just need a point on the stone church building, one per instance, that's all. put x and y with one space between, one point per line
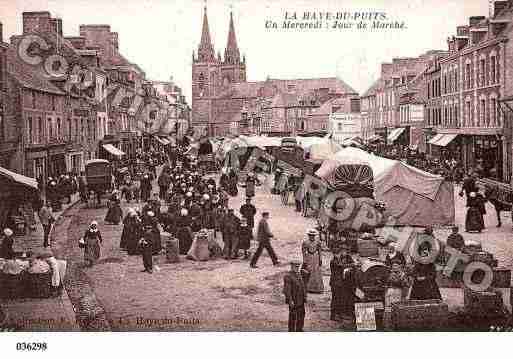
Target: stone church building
224 102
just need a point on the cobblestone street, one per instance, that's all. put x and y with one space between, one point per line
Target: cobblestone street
229 296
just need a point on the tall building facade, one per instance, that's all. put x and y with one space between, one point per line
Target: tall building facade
469 124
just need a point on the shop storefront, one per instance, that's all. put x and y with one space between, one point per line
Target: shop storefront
482 152
35 164
57 164
75 161
447 147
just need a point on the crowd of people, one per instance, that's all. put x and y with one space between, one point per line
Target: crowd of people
190 207
191 210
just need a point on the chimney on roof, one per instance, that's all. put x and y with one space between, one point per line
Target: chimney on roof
498 6
474 20
56 25
1 33
78 42
115 40
36 21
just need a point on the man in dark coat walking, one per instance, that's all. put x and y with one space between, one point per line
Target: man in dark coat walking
294 288
264 236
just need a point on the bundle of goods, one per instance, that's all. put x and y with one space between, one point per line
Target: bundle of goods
418 315
172 248
372 279
356 180
367 245
41 277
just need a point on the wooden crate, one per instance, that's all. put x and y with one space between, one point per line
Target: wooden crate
482 304
418 315
501 278
368 247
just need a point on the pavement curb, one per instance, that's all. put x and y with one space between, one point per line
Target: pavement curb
89 313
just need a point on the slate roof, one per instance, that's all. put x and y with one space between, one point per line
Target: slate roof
300 87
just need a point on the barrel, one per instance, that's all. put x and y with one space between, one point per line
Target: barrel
172 248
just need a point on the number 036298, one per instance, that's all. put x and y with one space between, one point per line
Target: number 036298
32 347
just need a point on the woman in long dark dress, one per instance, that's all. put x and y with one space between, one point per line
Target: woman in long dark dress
424 277
114 214
92 241
474 221
250 185
342 283
183 231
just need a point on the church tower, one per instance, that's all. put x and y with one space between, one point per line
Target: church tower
233 69
212 79
205 77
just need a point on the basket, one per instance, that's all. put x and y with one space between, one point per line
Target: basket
39 285
418 315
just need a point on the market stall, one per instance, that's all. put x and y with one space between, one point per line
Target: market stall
19 198
413 197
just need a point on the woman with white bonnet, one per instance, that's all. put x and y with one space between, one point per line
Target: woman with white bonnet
91 243
183 231
128 228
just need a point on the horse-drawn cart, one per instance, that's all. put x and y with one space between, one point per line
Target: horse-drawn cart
99 177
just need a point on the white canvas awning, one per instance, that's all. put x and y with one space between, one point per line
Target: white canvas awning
113 150
395 133
435 139
446 139
19 178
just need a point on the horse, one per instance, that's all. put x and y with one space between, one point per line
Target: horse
491 196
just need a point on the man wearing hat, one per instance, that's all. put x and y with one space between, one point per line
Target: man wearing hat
7 251
248 211
294 289
264 236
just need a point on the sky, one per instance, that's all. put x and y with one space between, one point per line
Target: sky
160 35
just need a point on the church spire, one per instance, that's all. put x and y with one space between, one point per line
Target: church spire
205 49
231 53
